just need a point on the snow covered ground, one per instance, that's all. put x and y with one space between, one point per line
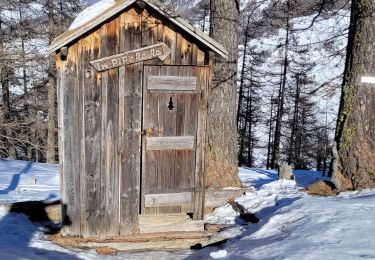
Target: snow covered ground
293 225
25 181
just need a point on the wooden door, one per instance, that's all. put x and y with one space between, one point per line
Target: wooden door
174 122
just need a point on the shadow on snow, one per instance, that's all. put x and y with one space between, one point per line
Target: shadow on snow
18 233
264 215
16 179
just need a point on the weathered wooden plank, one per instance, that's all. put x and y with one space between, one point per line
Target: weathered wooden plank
169 223
186 126
150 120
170 143
167 127
109 161
124 219
200 58
169 199
184 51
80 87
152 28
159 244
169 37
61 85
92 141
182 155
213 198
151 34
81 130
173 83
198 205
71 168
131 88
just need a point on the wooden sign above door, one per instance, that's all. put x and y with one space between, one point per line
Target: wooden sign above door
160 50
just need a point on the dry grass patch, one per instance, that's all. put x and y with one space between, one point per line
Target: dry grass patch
322 188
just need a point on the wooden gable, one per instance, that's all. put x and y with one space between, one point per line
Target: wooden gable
122 5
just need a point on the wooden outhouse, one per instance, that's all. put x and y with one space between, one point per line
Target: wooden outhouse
132 103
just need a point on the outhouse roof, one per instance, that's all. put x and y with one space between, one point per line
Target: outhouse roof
71 35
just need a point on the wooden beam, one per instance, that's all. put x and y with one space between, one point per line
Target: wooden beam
213 198
169 223
158 244
64 53
173 83
169 199
170 143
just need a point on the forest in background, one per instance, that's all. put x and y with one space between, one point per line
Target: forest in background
290 69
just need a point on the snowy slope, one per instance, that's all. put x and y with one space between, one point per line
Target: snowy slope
293 225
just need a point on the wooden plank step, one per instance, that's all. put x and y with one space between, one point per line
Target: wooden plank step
155 245
169 223
144 242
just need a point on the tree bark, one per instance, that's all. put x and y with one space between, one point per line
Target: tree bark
222 170
354 158
275 158
51 139
270 137
294 125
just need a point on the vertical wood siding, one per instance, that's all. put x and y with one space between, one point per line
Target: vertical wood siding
131 157
100 121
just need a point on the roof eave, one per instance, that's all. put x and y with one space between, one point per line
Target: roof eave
178 21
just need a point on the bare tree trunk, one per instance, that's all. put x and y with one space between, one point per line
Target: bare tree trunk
51 139
325 142
242 76
294 126
27 145
280 105
300 138
249 118
354 159
270 137
242 130
222 135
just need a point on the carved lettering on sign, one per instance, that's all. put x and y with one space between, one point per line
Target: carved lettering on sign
160 50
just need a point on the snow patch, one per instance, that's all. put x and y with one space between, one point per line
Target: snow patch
277 225
219 254
91 12
26 181
224 215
